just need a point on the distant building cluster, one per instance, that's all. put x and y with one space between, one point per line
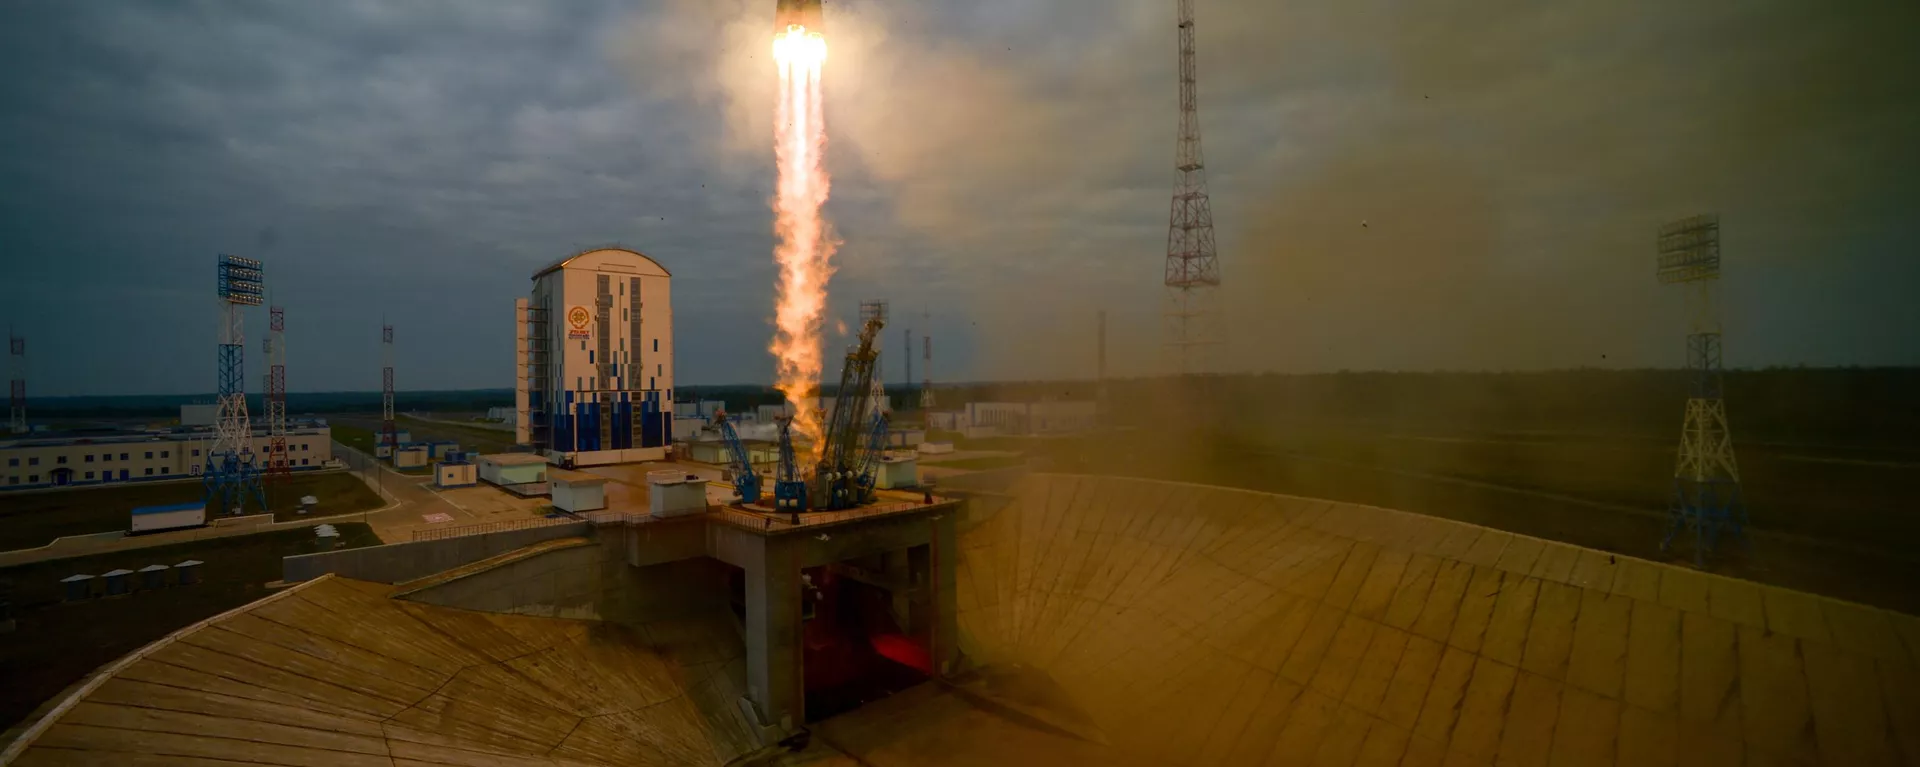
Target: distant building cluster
107 456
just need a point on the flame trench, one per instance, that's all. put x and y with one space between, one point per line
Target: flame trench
803 247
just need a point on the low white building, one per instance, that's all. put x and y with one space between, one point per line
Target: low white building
1025 418
85 458
577 491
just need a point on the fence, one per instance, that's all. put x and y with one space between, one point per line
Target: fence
442 533
758 522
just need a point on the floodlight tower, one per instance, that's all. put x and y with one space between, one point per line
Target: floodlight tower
231 471
1706 479
1192 271
389 436
17 395
279 469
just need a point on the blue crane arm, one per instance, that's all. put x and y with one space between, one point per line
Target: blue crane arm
744 479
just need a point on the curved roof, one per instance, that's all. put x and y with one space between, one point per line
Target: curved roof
598 250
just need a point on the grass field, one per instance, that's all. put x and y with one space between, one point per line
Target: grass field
28 520
56 644
355 437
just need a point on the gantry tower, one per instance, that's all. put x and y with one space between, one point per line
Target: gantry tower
1192 271
1706 479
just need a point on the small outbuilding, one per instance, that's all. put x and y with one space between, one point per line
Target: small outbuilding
154 577
577 491
410 457
153 519
675 493
511 468
79 587
189 571
897 472
119 582
448 474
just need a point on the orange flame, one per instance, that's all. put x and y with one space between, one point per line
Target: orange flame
804 247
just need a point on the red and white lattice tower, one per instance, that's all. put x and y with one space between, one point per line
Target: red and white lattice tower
279 467
1192 273
388 434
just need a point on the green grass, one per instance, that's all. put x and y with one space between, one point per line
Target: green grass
353 437
56 644
29 520
982 463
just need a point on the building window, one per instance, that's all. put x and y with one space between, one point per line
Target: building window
589 357
303 461
196 452
60 459
13 462
33 478
583 346
149 455
659 370
163 470
34 461
649 383
166 453
123 456
89 475
89 458
149 471
13 480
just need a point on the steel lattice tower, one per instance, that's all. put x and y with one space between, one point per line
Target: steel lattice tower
279 467
17 386
1706 479
876 310
926 372
389 436
231 471
1192 270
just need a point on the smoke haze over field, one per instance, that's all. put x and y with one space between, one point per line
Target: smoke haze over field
1002 165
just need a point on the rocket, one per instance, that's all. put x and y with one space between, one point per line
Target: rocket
804 13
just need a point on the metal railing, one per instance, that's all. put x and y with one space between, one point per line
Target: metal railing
442 533
746 520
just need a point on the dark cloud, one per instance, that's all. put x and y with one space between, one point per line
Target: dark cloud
1000 165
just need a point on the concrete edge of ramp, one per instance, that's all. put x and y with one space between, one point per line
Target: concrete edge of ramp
73 695
402 590
1203 624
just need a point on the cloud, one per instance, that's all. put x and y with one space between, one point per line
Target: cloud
1000 165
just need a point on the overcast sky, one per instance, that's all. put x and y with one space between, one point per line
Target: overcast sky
1001 165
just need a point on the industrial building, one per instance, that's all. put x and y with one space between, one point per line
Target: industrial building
56 459
594 360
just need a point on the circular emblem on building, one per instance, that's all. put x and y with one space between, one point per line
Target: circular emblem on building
577 320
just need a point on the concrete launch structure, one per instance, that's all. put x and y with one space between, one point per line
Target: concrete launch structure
596 359
1073 619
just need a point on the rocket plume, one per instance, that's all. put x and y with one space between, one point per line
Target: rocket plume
804 247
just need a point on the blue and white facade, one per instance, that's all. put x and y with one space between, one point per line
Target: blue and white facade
596 359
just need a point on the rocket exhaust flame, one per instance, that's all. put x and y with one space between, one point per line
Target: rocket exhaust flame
803 247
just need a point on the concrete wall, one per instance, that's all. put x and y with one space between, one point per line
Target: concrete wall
588 583
400 562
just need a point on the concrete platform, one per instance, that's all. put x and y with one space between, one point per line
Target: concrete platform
1109 621
332 672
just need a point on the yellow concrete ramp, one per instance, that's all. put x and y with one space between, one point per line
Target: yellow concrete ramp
1201 625
332 672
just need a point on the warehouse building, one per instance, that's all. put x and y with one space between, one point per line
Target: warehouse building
595 360
96 457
